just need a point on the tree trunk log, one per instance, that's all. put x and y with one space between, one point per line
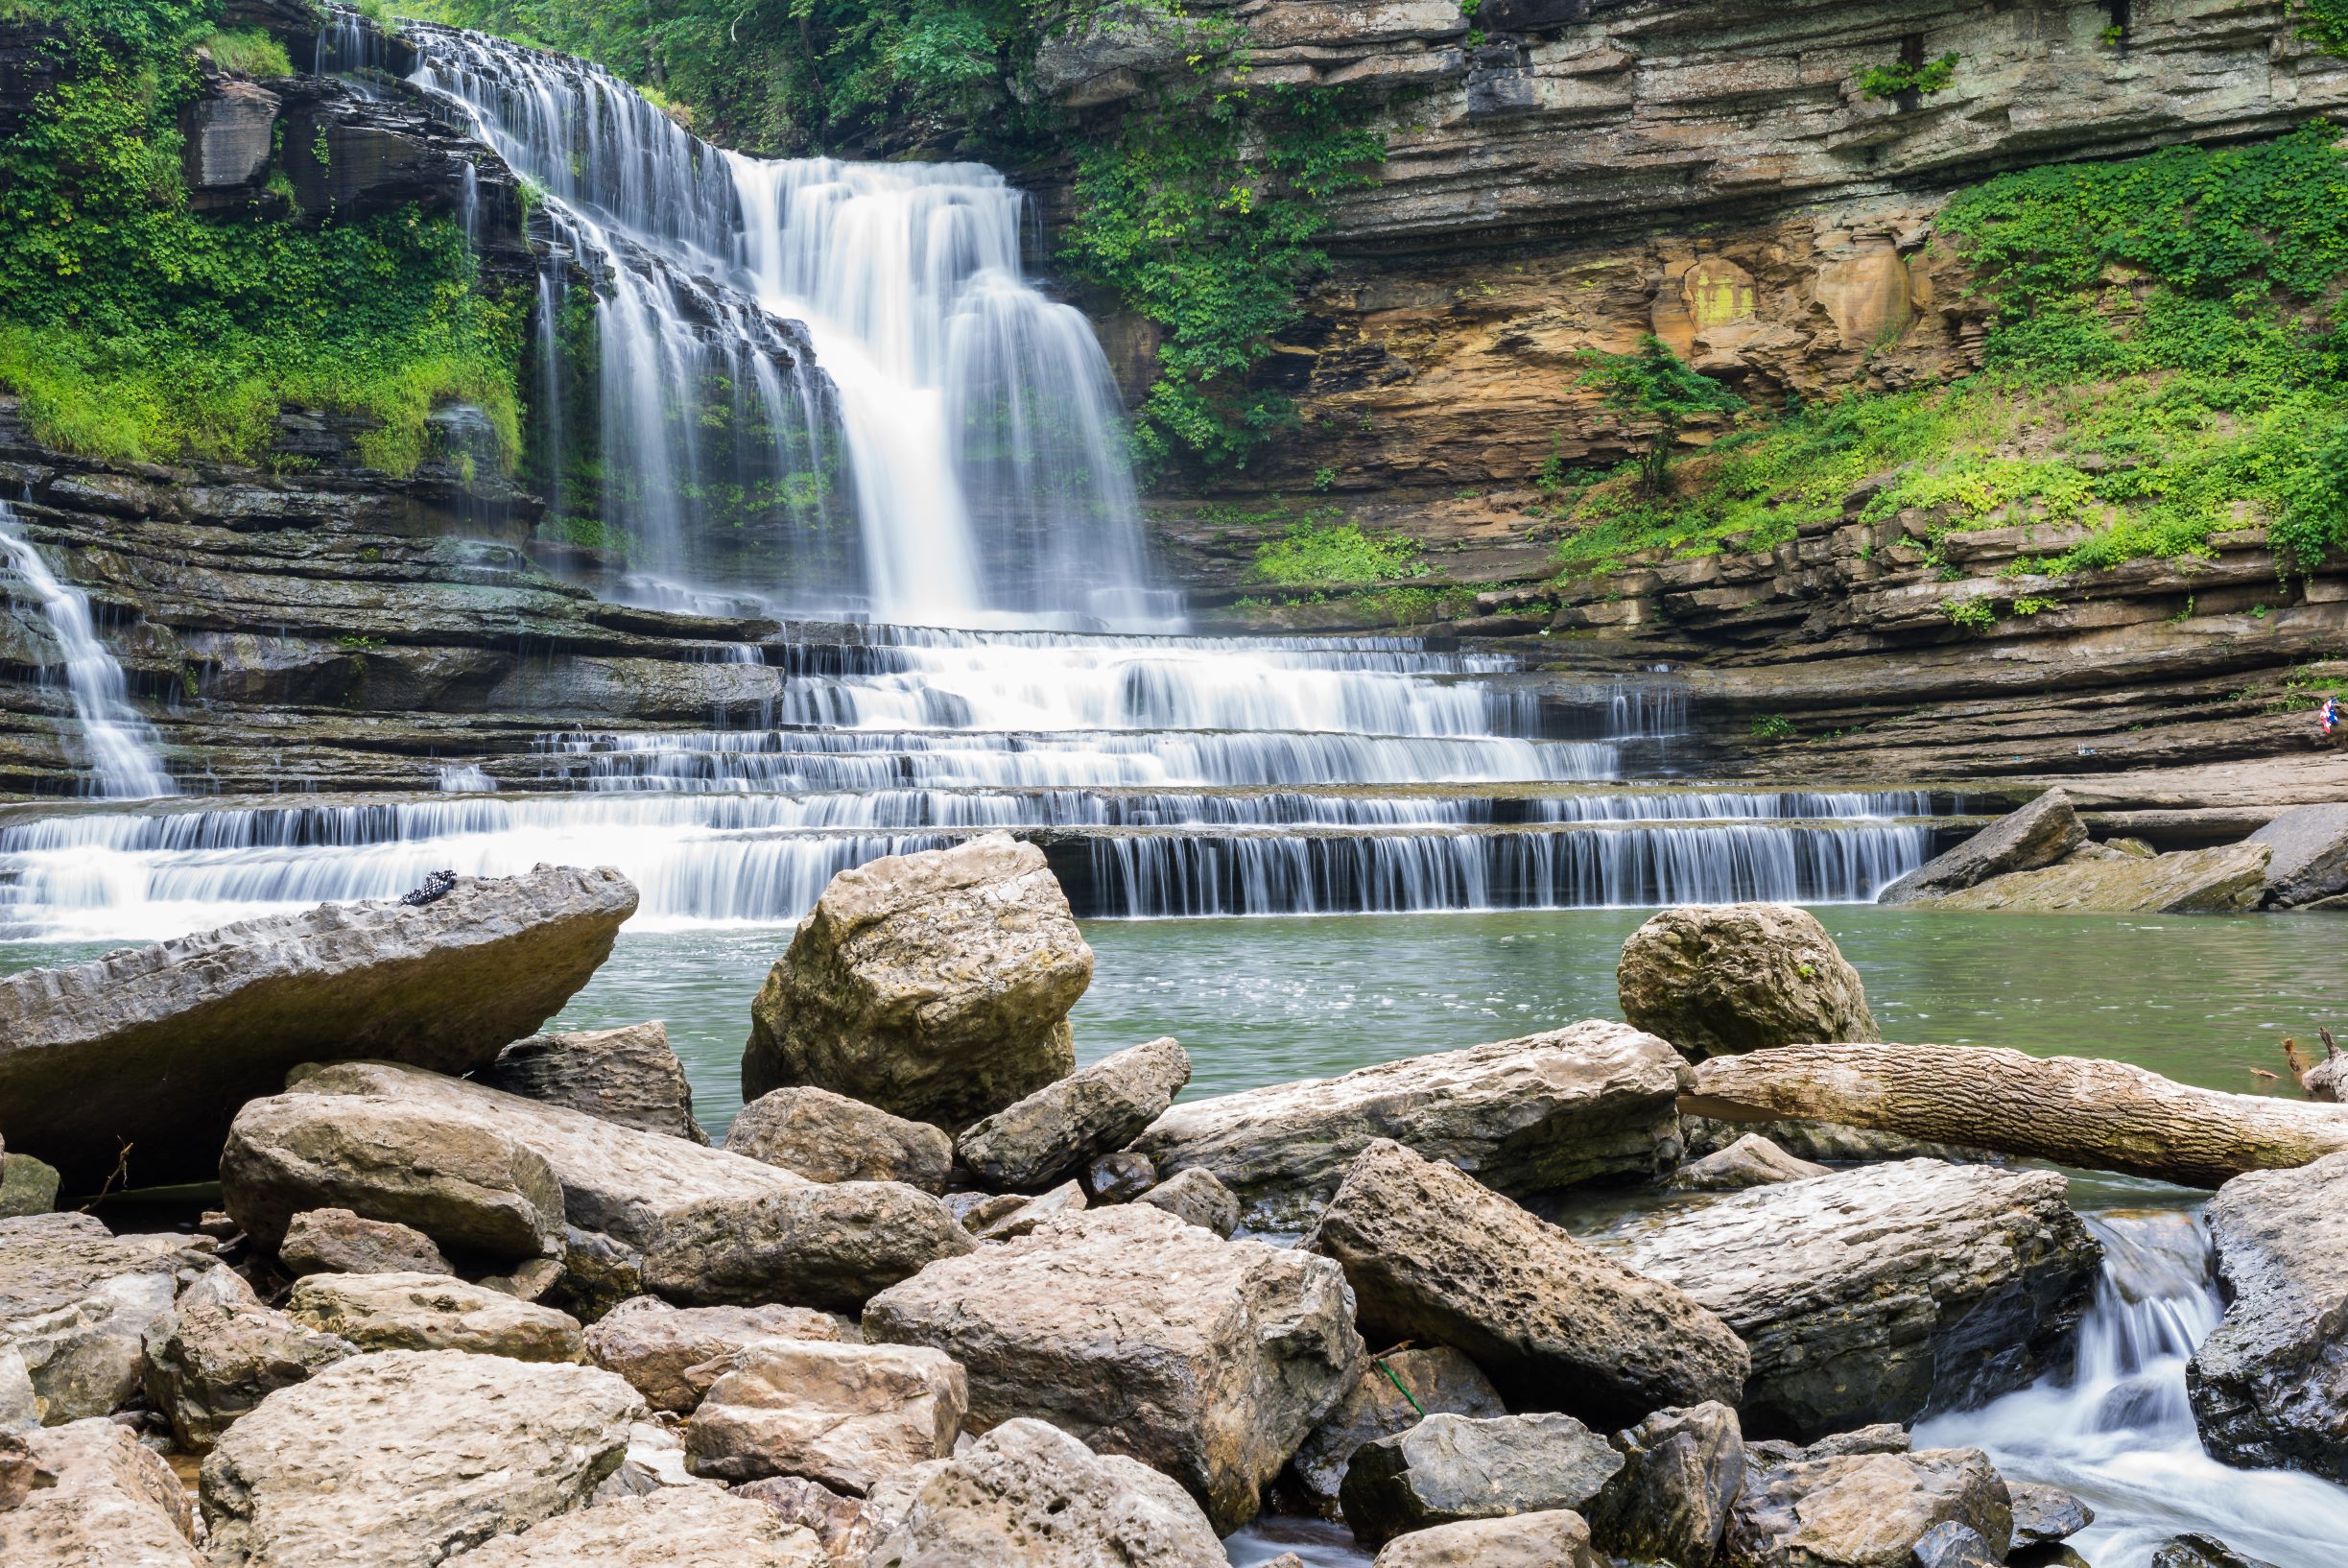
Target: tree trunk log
2073 1110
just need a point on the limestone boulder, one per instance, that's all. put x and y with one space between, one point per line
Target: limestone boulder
1120 1177
843 1414
1030 1493
337 1242
1055 1132
158 1047
828 1137
1196 1196
677 1527
1065 1198
474 1188
78 1307
1553 1538
2309 855
2269 1385
2044 1514
432 1312
1882 1292
113 1503
1718 980
630 1076
2228 878
935 986
1682 1470
404 1458
221 1352
671 1355
1449 1468
1523 1117
27 1186
2194 1549
1434 1256
1392 1393
1864 1511
1145 1336
703 1227
1751 1161
2037 835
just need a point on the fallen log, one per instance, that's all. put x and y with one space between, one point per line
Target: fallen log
2073 1110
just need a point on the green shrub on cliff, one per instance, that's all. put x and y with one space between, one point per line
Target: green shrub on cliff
1323 551
2168 358
132 327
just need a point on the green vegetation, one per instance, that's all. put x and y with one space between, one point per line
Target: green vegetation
1202 218
1774 726
1654 387
1323 551
1892 80
2168 358
2323 23
134 328
248 52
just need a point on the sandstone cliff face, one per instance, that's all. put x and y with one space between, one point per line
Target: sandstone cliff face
1595 169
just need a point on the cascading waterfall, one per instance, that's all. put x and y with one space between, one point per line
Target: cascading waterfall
121 746
2119 1431
774 333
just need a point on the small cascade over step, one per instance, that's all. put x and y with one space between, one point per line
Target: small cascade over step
120 747
2119 1431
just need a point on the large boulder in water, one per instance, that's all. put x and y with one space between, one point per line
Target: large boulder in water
935 985
1723 979
1880 1293
155 1048
1525 1117
2269 1386
2094 877
2039 833
2309 862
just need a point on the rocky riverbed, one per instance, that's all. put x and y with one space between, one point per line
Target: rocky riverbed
477 1302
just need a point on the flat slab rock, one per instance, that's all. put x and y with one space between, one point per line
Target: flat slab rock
1880 1293
1142 1335
2309 862
2039 833
402 1459
1524 1116
158 1046
2269 1385
432 1312
2230 877
705 1226
843 1414
1553 1538
671 1355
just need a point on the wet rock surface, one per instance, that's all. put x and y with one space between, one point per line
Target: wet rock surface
1053 1133
1682 1471
404 1458
1751 1161
935 985
1030 1493
829 1137
1723 979
2230 877
630 1076
2269 1386
1878 1293
1524 1116
1145 1336
1433 1256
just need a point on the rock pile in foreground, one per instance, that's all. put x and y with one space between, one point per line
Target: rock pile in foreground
530 1319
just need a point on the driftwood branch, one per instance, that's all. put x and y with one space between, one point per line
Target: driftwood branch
2073 1110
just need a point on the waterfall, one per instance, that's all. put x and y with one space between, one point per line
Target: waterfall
2120 1432
121 746
785 345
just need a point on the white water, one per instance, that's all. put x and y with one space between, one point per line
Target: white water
119 745
2120 1434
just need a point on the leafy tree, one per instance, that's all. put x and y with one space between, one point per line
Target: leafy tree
1654 385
